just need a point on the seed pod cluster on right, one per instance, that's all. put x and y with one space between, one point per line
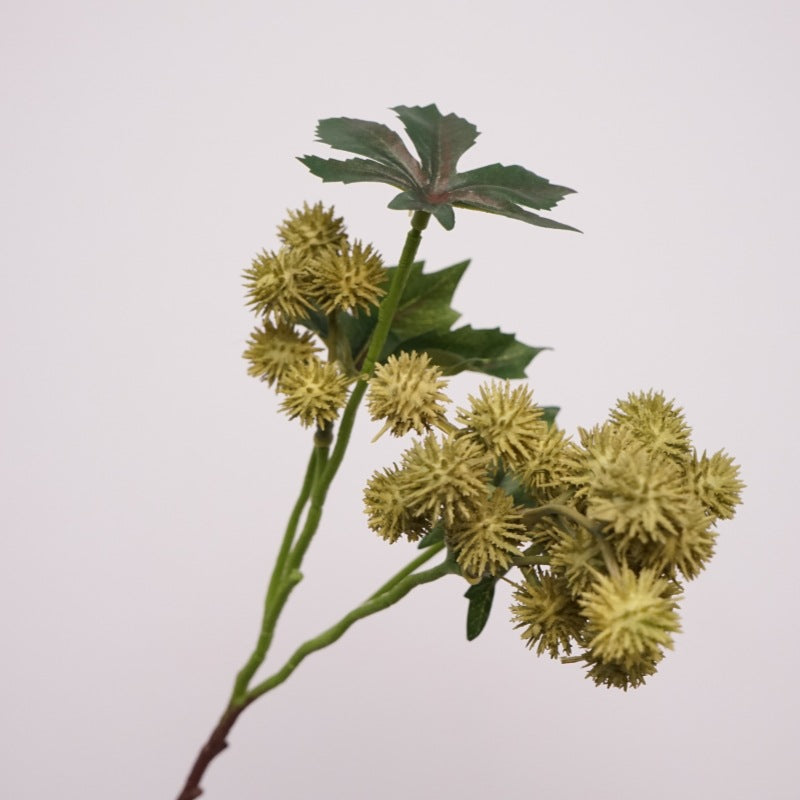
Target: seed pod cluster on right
602 530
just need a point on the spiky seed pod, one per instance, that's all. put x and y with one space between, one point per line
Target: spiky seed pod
630 618
641 496
446 478
277 283
655 422
616 676
600 448
576 555
313 230
272 349
550 616
716 481
488 540
387 508
688 552
314 392
505 421
347 279
406 391
547 470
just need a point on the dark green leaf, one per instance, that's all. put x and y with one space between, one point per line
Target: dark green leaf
549 415
489 351
492 202
439 140
425 304
354 170
432 537
434 187
480 598
370 139
515 183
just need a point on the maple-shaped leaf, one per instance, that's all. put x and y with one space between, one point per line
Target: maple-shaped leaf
432 183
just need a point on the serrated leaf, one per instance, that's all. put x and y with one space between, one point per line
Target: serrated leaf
353 170
515 183
435 186
480 598
425 304
478 350
440 140
370 139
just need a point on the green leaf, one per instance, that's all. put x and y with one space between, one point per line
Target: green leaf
370 139
354 170
425 304
439 140
434 186
480 598
432 537
549 415
479 350
515 183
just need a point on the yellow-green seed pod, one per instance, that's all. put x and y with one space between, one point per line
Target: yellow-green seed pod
406 391
314 392
313 230
347 280
630 618
641 495
277 284
486 541
387 508
549 615
505 421
655 422
272 349
447 477
546 472
617 676
716 481
575 554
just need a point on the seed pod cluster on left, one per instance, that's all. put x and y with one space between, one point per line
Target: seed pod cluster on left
316 273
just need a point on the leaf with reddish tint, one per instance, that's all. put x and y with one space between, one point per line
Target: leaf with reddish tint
433 183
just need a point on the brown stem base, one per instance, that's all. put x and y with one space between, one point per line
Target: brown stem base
211 749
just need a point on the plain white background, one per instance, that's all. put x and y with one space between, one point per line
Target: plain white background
147 152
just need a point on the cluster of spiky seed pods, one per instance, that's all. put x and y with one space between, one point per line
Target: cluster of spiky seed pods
595 534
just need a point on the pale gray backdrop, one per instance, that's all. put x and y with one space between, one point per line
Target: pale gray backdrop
147 153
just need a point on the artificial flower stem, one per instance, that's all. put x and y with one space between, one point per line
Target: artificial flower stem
376 603
427 554
265 636
386 313
393 590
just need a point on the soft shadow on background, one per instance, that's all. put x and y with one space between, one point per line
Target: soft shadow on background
147 152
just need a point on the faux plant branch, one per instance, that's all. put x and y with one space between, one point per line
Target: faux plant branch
594 534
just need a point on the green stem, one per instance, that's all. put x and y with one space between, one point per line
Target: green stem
323 469
379 336
376 603
265 636
555 509
427 554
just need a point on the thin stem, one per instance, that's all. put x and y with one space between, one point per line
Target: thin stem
554 509
427 554
385 316
265 636
335 632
